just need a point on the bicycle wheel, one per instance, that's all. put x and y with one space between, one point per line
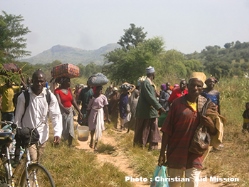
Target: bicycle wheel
38 176
4 173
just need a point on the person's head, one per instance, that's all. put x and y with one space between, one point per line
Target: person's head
150 72
8 82
247 105
115 89
65 82
163 87
195 87
88 84
183 84
124 88
168 85
210 82
77 86
29 80
98 90
38 81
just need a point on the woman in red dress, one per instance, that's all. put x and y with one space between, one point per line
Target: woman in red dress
67 102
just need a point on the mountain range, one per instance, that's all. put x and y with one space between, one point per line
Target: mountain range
72 55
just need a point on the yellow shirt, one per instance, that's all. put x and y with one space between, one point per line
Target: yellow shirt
193 105
7 97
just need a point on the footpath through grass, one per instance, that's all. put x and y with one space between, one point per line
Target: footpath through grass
72 167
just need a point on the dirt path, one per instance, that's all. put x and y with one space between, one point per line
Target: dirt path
120 160
117 158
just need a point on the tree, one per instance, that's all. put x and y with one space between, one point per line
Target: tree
132 37
237 45
128 65
91 69
12 42
175 65
227 45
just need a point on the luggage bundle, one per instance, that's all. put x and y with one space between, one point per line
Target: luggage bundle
97 79
9 67
65 70
127 87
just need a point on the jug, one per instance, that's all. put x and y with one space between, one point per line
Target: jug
83 133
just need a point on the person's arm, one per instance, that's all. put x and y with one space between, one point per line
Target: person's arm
105 103
164 143
20 107
56 118
218 103
106 113
76 106
22 79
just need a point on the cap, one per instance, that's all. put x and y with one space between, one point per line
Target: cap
150 69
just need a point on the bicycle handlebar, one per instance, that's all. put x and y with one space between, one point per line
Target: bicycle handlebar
10 123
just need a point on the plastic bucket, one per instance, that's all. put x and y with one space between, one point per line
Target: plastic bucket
83 133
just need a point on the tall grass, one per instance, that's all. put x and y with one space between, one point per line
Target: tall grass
232 160
72 167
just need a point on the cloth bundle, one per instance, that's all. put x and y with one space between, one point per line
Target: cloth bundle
97 79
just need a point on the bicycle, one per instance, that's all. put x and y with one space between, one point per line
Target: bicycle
26 173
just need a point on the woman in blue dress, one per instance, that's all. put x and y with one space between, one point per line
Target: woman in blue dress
211 93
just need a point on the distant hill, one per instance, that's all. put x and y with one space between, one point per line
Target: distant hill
72 55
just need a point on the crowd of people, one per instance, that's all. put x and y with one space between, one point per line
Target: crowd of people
129 107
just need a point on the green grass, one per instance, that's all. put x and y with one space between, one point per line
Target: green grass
73 167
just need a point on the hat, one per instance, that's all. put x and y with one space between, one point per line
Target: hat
115 89
200 76
150 69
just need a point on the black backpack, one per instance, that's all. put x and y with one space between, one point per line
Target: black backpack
16 96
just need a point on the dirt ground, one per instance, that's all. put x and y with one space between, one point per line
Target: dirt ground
120 160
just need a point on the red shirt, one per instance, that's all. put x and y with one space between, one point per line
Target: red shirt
180 126
66 99
176 93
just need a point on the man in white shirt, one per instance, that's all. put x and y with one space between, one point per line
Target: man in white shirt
37 112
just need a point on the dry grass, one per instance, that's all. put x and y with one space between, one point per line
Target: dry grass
71 167
232 161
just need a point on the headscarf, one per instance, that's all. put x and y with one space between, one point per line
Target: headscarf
163 87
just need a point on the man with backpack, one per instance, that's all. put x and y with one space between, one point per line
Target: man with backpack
33 108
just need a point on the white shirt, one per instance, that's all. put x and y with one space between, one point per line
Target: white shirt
37 113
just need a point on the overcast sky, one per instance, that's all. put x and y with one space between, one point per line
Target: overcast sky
184 25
